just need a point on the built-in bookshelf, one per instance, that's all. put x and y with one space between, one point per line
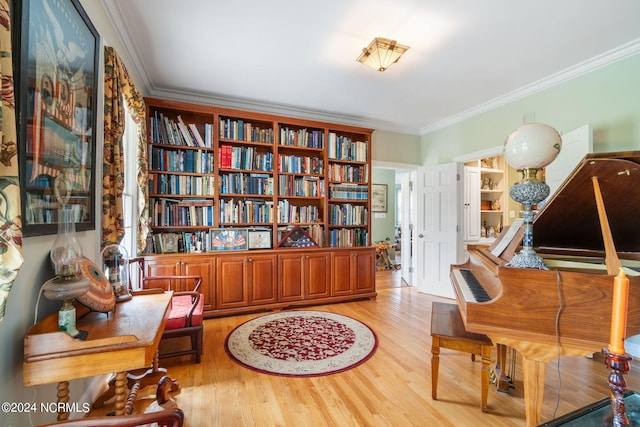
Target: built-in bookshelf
348 174
213 168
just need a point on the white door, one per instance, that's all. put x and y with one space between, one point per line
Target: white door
408 214
471 213
575 145
437 232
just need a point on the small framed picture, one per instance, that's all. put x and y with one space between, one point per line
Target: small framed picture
170 242
297 237
259 238
378 197
228 239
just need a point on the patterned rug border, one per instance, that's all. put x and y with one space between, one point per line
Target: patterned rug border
291 313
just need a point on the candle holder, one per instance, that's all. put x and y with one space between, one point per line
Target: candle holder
619 365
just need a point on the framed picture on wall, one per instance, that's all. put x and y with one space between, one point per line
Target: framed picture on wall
378 197
57 93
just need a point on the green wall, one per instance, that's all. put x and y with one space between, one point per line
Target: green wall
393 147
381 228
606 98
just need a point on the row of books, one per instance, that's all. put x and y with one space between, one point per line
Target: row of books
349 191
245 211
176 132
247 158
344 148
190 161
181 185
348 173
239 130
289 213
304 186
348 237
300 164
301 137
171 212
246 183
347 214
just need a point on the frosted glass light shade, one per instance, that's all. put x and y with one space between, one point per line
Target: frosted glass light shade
381 53
533 145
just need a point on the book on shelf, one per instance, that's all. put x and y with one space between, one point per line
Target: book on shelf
196 135
184 131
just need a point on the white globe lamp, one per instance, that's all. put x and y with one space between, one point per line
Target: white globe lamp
528 149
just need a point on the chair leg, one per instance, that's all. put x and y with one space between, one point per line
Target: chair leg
196 343
435 365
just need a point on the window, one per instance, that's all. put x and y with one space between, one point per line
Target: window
130 192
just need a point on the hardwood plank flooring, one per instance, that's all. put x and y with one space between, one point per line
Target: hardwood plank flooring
393 388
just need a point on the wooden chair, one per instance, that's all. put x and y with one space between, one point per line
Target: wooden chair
167 418
448 331
187 306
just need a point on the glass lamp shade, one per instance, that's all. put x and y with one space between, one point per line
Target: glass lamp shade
533 145
115 265
66 250
381 53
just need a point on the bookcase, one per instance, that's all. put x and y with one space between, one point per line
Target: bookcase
231 186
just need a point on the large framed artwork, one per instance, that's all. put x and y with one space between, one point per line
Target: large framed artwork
57 93
378 197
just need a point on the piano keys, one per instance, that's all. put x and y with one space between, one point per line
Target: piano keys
567 309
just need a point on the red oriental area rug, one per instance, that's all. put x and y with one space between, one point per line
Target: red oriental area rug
301 343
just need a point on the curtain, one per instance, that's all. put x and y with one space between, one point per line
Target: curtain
10 221
118 86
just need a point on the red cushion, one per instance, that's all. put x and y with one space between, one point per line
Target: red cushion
180 306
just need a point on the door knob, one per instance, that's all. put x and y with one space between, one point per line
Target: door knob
421 235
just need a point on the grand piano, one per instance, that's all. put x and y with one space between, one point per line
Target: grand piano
565 310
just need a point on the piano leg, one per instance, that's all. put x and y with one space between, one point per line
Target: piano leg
534 374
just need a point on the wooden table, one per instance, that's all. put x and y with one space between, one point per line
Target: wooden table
120 341
382 256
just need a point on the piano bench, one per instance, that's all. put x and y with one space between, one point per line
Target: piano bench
447 331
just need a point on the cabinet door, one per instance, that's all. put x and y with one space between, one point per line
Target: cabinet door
363 272
204 269
166 266
317 275
262 277
471 204
341 273
290 278
232 286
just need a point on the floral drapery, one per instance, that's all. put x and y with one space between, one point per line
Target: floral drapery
118 85
10 221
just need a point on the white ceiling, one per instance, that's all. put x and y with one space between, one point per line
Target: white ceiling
299 58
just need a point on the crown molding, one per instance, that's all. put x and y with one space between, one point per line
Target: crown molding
622 52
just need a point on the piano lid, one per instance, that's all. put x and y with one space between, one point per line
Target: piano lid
569 220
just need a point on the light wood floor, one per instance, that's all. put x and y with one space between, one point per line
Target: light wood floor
393 388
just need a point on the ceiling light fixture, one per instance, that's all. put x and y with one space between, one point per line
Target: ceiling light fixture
381 53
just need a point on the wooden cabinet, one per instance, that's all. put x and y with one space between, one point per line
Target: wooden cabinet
185 265
353 272
304 276
246 280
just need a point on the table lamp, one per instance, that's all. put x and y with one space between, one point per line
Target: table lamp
65 254
528 149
